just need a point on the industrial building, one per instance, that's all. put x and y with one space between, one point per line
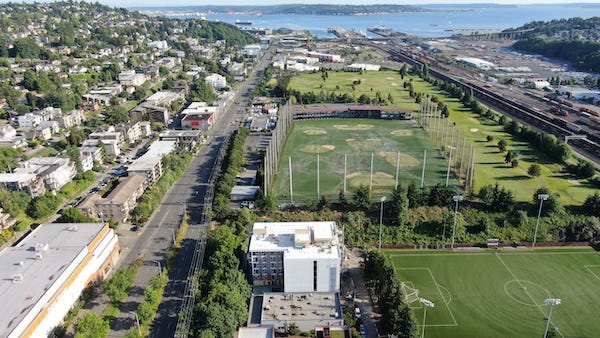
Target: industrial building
296 256
44 275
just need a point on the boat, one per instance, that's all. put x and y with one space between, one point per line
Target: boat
243 22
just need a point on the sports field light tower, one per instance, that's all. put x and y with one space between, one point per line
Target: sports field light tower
455 198
542 198
382 199
551 302
426 303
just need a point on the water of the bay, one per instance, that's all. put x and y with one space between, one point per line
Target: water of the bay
438 23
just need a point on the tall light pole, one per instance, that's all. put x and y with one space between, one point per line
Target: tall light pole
382 199
551 302
455 198
426 303
542 198
137 321
159 268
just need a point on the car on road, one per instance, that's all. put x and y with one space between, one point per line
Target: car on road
357 313
363 332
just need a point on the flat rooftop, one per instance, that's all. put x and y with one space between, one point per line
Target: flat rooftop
156 152
295 307
285 236
42 259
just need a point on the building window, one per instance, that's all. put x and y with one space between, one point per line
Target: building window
315 275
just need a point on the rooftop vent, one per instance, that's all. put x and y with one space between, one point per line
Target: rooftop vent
18 278
42 247
72 228
39 255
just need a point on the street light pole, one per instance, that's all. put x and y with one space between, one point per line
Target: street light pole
159 268
552 302
381 218
137 321
426 303
542 198
455 198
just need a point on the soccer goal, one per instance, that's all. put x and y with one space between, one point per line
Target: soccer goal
410 294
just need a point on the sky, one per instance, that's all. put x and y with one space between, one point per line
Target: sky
162 3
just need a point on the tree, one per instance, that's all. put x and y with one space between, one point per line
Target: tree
73 215
514 163
509 156
489 138
91 325
399 206
551 204
76 136
362 197
591 206
534 170
502 145
43 206
115 115
342 199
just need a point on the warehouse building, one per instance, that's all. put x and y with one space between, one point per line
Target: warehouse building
44 275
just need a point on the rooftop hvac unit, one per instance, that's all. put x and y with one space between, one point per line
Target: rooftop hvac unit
39 255
42 247
72 228
18 278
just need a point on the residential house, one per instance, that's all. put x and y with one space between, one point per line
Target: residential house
149 165
55 171
6 221
32 184
119 203
217 81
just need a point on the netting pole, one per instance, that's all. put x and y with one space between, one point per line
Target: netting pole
423 172
291 185
472 171
462 157
318 178
345 171
448 170
371 179
397 168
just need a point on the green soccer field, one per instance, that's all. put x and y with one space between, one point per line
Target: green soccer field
350 144
502 293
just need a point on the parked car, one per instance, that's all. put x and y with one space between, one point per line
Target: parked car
357 312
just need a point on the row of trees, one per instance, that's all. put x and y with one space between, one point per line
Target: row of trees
232 162
396 316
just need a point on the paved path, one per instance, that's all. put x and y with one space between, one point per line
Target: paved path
354 280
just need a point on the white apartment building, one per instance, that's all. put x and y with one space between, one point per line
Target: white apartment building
217 81
55 171
296 256
29 120
130 78
149 165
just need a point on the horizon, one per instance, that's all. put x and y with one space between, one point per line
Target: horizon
225 3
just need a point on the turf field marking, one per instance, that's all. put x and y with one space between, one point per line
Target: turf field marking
439 291
449 294
521 283
526 292
493 253
592 272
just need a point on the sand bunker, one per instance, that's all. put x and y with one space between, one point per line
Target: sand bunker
390 78
317 149
474 130
402 132
314 132
353 126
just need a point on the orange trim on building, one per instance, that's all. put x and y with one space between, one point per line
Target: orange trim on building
94 243
44 312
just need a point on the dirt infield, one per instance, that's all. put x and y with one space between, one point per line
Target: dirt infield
402 132
315 132
353 126
317 149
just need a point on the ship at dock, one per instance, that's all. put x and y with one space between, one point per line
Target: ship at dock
243 22
384 31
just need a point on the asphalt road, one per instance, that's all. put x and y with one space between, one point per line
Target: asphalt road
156 238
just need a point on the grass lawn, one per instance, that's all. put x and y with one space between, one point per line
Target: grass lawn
502 293
490 167
357 139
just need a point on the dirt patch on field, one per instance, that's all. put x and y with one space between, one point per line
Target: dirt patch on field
317 149
474 130
380 179
574 181
315 132
394 84
405 159
368 144
390 78
402 132
353 126
351 175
